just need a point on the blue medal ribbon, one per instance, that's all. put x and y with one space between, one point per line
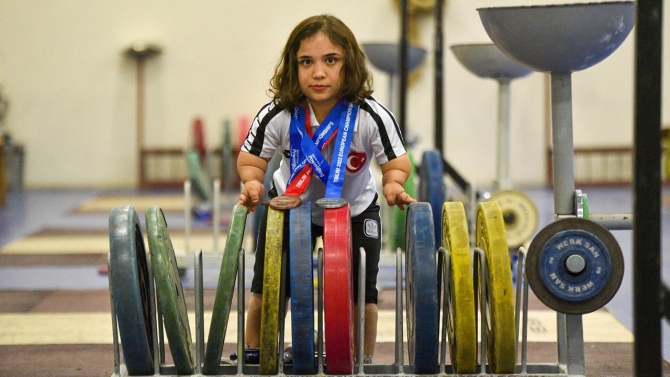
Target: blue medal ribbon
305 150
341 152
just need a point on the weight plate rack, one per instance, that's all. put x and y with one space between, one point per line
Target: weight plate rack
420 213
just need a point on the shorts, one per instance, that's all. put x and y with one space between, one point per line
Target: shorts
365 232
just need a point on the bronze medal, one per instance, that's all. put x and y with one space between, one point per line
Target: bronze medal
285 202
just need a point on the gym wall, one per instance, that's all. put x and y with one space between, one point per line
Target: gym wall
72 91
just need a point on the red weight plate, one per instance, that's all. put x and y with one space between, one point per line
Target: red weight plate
338 291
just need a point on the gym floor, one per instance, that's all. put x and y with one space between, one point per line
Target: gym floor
54 302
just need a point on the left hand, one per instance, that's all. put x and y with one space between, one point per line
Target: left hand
395 194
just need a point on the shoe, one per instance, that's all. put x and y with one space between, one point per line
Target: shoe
367 359
251 356
287 357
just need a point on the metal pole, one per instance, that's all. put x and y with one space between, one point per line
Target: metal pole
439 79
563 146
503 181
647 183
139 119
403 67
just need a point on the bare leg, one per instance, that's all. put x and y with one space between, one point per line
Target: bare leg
253 327
370 336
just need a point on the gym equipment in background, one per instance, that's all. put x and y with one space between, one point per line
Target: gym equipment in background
561 39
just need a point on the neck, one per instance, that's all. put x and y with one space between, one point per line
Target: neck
321 110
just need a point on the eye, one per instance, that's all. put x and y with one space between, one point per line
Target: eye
305 62
331 60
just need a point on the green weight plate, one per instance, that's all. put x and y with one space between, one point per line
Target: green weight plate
271 292
169 291
224 291
397 217
460 293
499 300
131 285
585 206
202 185
519 214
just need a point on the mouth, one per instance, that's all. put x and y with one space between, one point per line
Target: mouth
319 87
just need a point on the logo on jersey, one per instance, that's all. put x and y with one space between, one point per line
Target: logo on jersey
355 161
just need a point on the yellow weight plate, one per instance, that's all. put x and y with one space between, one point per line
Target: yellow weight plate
519 214
499 300
460 294
271 289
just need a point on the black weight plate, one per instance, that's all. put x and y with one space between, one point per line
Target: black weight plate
431 187
169 291
302 289
224 291
577 293
129 274
421 290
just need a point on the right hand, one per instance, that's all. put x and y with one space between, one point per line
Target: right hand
251 194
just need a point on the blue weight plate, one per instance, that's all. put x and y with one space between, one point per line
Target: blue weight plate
224 291
397 217
302 288
129 274
579 290
432 188
421 290
169 291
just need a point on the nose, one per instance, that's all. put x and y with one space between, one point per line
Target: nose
319 71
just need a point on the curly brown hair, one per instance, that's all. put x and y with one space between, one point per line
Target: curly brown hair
356 81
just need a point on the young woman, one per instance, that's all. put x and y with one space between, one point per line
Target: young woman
321 82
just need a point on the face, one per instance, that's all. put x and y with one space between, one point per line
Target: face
320 65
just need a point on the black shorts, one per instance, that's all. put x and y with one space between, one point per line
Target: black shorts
365 232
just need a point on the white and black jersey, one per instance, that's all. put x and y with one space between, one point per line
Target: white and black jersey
376 133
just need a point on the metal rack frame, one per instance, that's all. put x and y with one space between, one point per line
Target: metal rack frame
569 364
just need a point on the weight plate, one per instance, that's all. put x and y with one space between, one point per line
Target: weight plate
575 266
224 291
131 285
338 291
199 138
585 206
499 300
285 202
202 185
302 289
274 238
431 187
397 217
520 216
460 292
169 291
421 290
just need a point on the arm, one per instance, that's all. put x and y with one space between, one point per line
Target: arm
394 174
251 169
